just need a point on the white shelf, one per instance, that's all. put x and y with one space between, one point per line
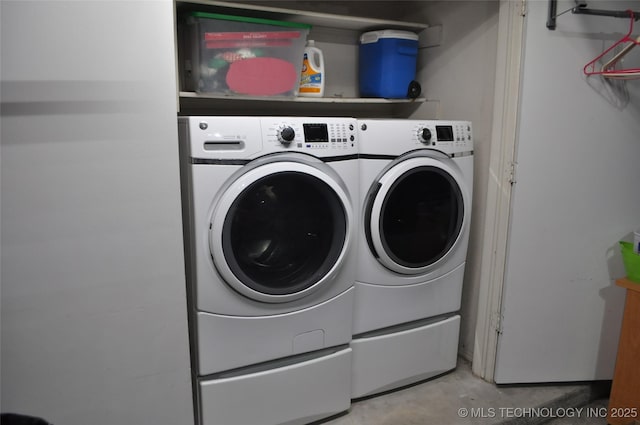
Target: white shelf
332 28
313 18
209 104
321 100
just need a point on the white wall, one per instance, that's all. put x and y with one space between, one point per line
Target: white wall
576 196
94 323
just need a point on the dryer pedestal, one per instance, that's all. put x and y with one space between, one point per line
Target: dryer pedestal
392 360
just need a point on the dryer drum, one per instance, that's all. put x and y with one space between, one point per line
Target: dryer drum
284 233
421 217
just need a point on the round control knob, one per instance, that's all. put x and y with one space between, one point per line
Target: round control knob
424 135
286 135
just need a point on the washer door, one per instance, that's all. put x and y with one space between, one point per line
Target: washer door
415 214
281 230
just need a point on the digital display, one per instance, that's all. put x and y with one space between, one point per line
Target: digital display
444 133
315 133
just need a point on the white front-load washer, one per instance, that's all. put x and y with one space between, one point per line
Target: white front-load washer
270 236
416 180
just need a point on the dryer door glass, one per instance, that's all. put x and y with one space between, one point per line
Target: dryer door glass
421 216
284 233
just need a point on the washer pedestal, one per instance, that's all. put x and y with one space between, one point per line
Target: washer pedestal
296 393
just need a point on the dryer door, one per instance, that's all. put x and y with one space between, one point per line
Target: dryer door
415 214
281 230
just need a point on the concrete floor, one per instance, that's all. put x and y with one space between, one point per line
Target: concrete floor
459 398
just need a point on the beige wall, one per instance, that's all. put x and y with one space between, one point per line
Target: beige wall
460 73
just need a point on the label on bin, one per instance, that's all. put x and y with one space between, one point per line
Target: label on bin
246 43
266 35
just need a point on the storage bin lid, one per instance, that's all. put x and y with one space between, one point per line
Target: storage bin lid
250 20
374 36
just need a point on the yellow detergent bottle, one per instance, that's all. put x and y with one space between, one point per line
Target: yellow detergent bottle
312 76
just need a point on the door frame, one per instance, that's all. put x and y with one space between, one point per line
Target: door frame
502 177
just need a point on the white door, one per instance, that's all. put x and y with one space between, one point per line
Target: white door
576 195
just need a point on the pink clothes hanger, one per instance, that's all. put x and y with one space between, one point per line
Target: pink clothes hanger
607 70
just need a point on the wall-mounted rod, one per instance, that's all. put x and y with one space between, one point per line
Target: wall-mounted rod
582 9
600 12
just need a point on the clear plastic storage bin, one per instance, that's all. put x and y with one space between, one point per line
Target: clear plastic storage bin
245 56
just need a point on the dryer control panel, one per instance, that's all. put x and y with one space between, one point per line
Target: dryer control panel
456 134
248 137
398 136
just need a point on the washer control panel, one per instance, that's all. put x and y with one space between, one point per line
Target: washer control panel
314 135
235 137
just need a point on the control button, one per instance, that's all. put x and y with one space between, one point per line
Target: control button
424 135
203 125
351 127
352 138
286 135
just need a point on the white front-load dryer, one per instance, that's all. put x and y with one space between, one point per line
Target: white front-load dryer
416 179
270 231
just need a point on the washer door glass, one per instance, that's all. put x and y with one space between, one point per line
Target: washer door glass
421 217
284 232
414 216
